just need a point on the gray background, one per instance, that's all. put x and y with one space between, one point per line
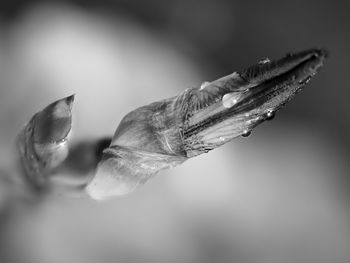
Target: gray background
281 195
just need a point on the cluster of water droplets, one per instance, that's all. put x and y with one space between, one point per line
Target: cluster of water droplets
231 99
269 115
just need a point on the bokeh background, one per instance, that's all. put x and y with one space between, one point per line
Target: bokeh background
279 196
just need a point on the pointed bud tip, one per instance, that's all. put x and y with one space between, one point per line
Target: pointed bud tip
69 100
64 105
54 122
62 108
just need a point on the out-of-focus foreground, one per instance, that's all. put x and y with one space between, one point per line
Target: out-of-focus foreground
280 195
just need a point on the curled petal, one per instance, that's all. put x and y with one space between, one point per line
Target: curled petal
122 170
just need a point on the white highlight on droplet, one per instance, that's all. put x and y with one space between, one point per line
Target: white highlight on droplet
270 114
230 99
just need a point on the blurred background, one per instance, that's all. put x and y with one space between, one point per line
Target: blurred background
279 196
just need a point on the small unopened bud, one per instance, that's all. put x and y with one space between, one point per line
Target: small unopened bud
43 142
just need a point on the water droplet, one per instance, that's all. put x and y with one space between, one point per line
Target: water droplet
270 115
222 139
230 99
246 133
204 85
264 61
62 141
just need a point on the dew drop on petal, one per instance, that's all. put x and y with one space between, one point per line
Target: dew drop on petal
270 115
230 99
246 133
